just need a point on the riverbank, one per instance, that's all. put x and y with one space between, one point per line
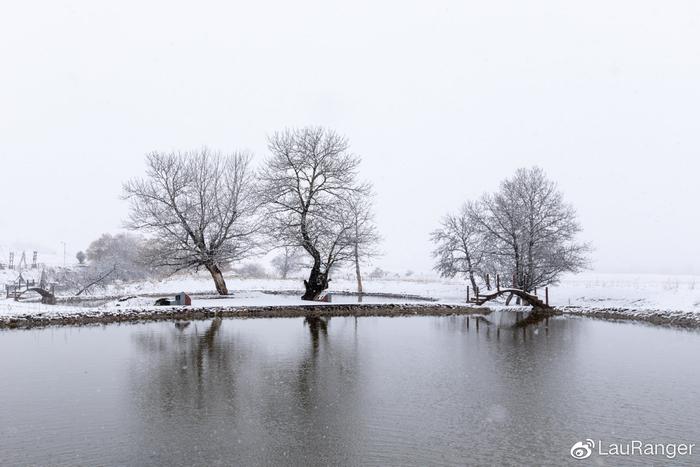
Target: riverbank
106 316
86 316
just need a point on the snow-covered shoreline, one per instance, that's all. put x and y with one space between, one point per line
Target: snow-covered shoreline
655 299
106 316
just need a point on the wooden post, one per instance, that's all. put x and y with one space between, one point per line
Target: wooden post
546 296
467 294
498 282
488 282
514 284
476 292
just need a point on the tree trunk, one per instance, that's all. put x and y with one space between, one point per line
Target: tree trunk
470 268
317 283
218 279
285 267
357 271
472 279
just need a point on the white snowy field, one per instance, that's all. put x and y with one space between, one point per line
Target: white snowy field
635 291
591 290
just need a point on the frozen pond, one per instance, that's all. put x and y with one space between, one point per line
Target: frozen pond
373 391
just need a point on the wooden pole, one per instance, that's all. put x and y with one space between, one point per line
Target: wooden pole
467 294
498 282
546 296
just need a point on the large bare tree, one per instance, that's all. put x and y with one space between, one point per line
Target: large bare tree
199 207
529 231
525 231
306 183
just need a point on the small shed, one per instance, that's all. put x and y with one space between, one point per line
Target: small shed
183 299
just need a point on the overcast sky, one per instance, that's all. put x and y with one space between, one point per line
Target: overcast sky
442 99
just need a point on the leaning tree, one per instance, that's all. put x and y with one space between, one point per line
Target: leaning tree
307 183
199 208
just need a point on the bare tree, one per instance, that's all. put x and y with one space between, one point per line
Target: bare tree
123 253
251 271
528 231
289 260
80 256
306 184
459 246
364 236
199 207
378 273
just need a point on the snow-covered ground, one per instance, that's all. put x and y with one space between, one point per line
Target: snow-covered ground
636 291
591 290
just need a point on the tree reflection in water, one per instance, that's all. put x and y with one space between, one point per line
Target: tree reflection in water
185 359
317 326
521 325
254 387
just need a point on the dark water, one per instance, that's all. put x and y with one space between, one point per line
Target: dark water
368 391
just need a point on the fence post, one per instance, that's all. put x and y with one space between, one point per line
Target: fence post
498 282
467 294
546 296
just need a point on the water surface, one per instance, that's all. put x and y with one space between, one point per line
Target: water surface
372 391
